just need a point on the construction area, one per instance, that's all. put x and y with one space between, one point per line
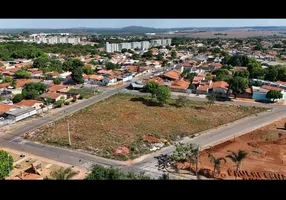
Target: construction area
30 167
266 159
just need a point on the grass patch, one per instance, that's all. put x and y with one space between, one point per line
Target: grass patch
124 119
270 136
84 92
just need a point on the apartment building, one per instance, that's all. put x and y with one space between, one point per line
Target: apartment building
135 45
56 40
124 46
145 45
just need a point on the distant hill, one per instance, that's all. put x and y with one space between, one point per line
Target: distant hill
137 29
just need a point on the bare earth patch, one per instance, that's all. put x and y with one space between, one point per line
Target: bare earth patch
124 120
267 153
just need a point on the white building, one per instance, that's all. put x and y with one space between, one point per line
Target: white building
164 42
145 45
135 45
62 40
124 46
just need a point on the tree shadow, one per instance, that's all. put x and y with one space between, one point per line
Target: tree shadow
199 108
147 102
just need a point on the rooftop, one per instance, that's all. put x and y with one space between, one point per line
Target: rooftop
19 111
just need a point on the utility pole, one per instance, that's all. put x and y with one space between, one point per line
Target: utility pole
197 160
9 166
69 135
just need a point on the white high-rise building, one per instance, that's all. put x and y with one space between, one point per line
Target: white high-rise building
73 40
124 46
156 42
145 45
52 40
135 45
107 47
62 40
169 41
114 47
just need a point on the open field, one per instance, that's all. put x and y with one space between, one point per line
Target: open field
125 119
230 34
84 92
267 153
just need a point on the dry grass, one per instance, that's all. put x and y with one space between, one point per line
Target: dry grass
124 119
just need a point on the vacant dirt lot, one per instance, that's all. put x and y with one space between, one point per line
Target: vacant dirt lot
267 153
125 120
230 34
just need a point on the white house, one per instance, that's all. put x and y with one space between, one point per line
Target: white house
20 113
110 80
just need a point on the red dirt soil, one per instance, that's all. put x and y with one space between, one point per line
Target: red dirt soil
267 154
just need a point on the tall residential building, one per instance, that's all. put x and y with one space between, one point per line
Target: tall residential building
107 47
124 46
145 45
135 45
62 40
155 42
74 40
164 42
52 40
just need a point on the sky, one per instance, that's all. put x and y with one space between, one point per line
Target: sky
154 23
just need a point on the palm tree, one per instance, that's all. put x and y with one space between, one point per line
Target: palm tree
216 162
237 159
63 174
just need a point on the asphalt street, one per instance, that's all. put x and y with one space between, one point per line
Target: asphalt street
146 163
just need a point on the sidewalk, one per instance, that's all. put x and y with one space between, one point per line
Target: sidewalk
47 164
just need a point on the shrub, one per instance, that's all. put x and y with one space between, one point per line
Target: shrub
67 103
59 103
80 97
74 100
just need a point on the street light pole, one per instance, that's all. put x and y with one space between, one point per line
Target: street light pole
9 166
69 135
197 160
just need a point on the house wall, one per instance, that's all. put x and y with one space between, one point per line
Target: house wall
18 118
260 96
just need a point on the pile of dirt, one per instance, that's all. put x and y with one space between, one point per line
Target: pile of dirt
154 139
122 150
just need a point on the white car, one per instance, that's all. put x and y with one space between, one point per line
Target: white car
1 118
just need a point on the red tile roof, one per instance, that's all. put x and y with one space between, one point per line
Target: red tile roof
240 68
3 85
22 82
96 77
173 74
56 88
203 87
52 95
180 84
5 108
28 103
219 84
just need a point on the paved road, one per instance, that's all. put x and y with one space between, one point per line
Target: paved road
146 163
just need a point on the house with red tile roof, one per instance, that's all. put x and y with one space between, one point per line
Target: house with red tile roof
110 80
172 75
58 88
31 103
197 80
238 68
21 82
219 88
54 95
179 85
5 108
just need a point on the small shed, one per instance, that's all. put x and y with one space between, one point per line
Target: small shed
20 113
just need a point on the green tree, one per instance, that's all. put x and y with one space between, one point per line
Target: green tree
273 95
237 158
59 103
111 66
148 55
68 65
242 73
63 174
17 98
211 99
159 57
162 94
182 101
14 83
271 74
22 74
33 90
77 75
135 56
151 88
87 70
185 153
221 74
173 54
281 74
255 69
5 165
57 81
238 84
101 173
216 162
123 50
7 79
1 76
